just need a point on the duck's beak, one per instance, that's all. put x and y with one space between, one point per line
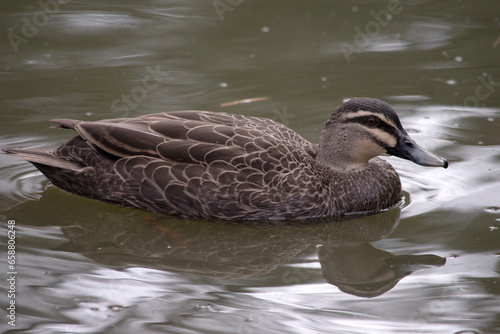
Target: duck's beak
406 148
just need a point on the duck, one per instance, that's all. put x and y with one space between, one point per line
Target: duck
222 166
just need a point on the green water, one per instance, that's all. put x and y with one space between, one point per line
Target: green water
86 267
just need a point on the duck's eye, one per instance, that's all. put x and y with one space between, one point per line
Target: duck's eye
371 121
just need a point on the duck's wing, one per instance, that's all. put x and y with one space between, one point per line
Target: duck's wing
192 137
197 163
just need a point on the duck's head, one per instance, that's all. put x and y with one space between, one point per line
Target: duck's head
363 128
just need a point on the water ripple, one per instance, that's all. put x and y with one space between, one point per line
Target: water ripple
19 183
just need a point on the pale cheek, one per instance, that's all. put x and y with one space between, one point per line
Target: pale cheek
387 138
383 137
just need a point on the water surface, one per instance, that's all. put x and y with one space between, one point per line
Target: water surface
431 266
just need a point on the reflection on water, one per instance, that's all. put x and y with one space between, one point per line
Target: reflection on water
86 267
203 248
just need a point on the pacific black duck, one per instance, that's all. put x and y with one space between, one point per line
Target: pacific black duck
233 167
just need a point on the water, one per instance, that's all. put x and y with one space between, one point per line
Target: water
431 266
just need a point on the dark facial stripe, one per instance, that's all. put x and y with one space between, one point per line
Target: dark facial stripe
381 125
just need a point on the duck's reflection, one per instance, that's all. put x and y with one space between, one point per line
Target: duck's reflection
223 250
363 270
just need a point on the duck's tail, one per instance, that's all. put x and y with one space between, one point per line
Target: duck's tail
42 158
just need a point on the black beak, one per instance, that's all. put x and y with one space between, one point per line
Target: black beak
407 149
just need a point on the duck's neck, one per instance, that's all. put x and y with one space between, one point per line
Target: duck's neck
339 156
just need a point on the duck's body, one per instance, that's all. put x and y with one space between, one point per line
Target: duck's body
223 166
